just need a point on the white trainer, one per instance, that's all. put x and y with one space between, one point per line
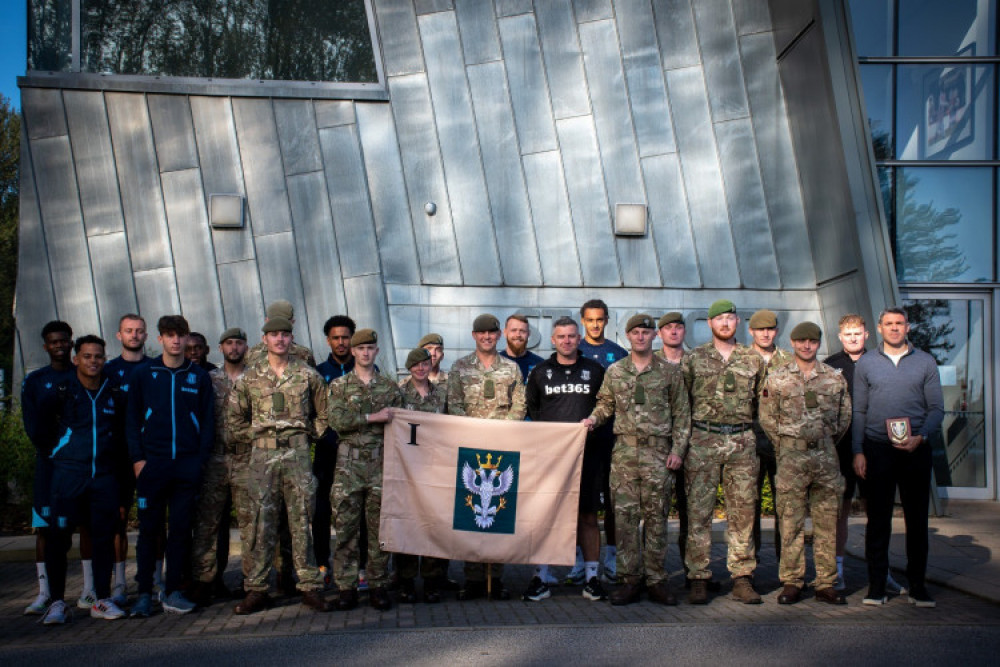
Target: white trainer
39 606
87 600
106 609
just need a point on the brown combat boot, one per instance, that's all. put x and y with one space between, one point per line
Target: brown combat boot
254 601
314 600
379 598
661 593
627 594
743 591
348 599
790 594
830 596
699 591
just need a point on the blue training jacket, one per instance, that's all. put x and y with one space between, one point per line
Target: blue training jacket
171 412
89 427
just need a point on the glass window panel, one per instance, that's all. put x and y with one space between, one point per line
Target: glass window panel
50 30
272 40
944 216
885 186
952 28
872 24
944 112
876 80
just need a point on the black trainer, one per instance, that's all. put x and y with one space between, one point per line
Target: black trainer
536 591
919 597
594 590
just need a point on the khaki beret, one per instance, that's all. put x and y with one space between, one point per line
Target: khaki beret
277 324
364 337
720 307
486 322
416 356
280 308
232 332
641 320
670 318
806 331
431 339
763 319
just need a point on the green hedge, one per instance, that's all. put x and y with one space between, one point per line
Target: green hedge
17 466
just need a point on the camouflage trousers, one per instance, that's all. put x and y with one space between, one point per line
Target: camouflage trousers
429 567
712 457
224 474
276 475
808 482
641 486
357 494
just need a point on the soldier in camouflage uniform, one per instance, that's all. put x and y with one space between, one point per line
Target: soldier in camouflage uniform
804 408
285 310
359 405
278 406
485 385
434 344
224 477
646 396
722 378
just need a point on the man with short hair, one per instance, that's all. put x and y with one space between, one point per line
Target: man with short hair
359 404
486 385
434 344
898 406
285 310
722 378
652 424
517 331
764 336
563 388
804 408
277 407
85 427
197 351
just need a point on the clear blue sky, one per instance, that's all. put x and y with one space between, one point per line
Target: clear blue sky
13 38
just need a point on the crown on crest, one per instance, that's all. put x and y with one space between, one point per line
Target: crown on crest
489 465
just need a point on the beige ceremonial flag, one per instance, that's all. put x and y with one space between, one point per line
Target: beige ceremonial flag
481 490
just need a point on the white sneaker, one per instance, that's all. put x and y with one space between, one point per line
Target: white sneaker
57 613
87 600
39 606
106 609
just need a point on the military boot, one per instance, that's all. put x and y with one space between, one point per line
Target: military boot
699 591
743 591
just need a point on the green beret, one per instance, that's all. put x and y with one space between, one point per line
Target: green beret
280 308
364 337
641 320
806 331
416 356
486 322
232 332
277 324
720 307
763 319
431 339
670 318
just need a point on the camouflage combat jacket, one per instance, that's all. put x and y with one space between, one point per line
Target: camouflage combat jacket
222 386
779 358
648 403
469 385
802 411
436 399
722 392
258 353
255 412
351 400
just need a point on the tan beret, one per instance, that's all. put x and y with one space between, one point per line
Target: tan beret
670 318
641 320
277 324
763 319
280 308
431 339
806 331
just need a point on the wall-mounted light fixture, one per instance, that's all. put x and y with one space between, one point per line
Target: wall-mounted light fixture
225 211
630 219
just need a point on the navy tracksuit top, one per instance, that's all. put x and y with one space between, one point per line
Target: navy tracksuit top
89 427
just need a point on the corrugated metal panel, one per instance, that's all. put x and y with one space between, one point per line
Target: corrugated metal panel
751 16
669 221
526 79
429 6
275 257
677 37
43 112
400 42
512 7
588 201
563 58
319 261
113 282
172 132
459 150
331 113
215 132
777 162
478 26
504 178
156 292
263 173
647 93
418 147
194 261
747 210
297 134
139 181
720 59
592 10
242 304
637 256
94 162
387 194
348 192
702 178
557 244
366 304
65 241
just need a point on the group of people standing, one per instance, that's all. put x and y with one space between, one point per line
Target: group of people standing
297 448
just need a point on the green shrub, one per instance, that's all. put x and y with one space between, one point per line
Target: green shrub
17 464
